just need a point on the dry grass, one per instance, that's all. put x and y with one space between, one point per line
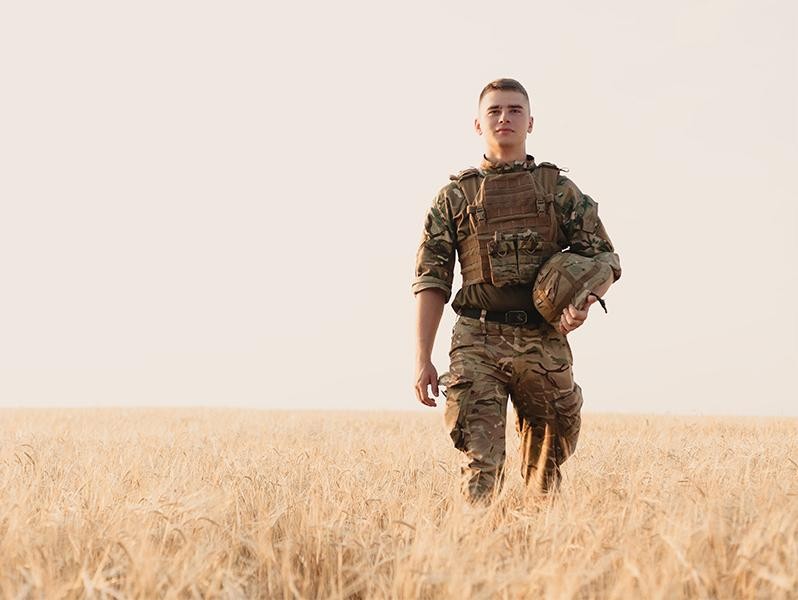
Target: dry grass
207 503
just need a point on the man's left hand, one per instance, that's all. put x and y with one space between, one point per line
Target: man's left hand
572 317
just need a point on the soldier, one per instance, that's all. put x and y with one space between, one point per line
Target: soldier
504 220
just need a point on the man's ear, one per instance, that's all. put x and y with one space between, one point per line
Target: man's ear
531 122
477 127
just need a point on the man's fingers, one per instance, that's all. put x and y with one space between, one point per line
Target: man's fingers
426 399
432 378
432 381
579 315
569 322
422 394
421 391
568 318
573 316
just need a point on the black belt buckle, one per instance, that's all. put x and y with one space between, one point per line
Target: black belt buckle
516 317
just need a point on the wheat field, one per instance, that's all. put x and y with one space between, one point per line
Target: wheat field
233 503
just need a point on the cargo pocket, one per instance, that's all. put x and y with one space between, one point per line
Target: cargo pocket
458 393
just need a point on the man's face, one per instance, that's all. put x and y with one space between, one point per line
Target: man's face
504 119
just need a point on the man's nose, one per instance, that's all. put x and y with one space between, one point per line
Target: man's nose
504 117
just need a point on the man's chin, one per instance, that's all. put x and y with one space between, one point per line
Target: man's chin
506 144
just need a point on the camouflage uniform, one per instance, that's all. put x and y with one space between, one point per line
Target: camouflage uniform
489 360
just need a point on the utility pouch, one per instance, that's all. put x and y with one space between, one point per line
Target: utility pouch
512 258
503 259
528 260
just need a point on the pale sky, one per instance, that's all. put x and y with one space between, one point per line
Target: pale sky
220 203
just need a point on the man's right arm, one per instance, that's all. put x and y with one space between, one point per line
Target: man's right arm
433 287
429 309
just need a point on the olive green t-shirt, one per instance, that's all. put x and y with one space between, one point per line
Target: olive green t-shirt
490 297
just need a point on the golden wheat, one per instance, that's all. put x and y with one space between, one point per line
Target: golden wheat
207 503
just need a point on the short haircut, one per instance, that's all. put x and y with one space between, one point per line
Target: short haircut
504 84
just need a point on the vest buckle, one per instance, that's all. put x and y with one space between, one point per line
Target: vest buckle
476 211
541 202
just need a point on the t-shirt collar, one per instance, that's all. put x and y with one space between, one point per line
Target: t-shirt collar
504 167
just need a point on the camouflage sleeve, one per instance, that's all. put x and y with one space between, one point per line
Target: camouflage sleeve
582 228
436 252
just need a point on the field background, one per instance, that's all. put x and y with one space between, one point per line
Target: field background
229 503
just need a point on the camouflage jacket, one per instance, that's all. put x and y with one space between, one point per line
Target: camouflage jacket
446 224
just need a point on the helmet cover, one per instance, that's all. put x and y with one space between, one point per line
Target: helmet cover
567 278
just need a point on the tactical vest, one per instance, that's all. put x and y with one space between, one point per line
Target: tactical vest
513 224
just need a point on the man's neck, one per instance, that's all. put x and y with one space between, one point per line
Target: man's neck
505 155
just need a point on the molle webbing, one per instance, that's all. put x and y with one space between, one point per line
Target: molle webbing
508 213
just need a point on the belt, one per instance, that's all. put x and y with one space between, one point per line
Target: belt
510 317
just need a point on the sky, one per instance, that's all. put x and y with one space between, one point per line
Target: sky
219 204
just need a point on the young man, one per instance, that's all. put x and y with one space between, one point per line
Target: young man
504 220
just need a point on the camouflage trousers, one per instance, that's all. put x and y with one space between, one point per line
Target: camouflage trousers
490 361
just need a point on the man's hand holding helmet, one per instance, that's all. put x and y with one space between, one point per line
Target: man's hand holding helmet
565 288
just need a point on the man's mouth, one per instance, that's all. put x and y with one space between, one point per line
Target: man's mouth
504 131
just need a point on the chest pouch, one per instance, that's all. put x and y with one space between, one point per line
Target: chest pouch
512 257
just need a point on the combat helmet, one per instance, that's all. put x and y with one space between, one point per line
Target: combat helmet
567 278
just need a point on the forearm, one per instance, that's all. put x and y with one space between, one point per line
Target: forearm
429 309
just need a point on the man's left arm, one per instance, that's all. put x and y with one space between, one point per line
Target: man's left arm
585 235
